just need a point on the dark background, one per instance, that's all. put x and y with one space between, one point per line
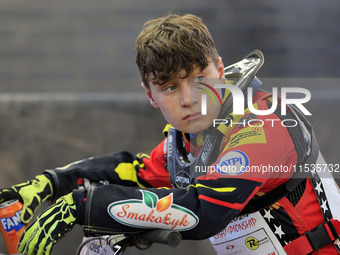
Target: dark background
70 88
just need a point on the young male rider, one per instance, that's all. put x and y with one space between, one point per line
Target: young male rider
169 188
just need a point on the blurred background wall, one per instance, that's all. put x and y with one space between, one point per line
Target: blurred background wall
69 87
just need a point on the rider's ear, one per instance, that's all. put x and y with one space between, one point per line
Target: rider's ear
220 68
149 95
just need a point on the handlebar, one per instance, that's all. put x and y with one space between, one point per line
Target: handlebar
118 243
171 238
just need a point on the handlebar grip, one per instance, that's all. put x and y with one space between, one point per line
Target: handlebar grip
169 237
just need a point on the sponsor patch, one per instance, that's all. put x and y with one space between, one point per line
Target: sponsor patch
232 163
247 135
152 212
252 243
182 179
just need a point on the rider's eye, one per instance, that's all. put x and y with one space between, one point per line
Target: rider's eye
199 78
171 88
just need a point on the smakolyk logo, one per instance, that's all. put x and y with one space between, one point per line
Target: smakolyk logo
152 212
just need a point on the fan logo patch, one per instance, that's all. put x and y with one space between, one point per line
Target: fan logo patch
152 212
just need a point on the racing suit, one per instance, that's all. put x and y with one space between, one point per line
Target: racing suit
134 192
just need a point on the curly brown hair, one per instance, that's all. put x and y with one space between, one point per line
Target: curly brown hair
171 43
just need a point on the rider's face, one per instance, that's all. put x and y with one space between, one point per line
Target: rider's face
180 100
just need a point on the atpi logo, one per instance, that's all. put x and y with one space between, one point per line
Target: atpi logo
232 163
152 212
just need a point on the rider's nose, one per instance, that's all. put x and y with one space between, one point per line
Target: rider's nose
185 94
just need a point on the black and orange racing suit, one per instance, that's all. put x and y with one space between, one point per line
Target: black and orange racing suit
139 194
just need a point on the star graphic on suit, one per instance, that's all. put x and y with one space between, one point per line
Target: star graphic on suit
268 215
324 205
279 231
318 187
